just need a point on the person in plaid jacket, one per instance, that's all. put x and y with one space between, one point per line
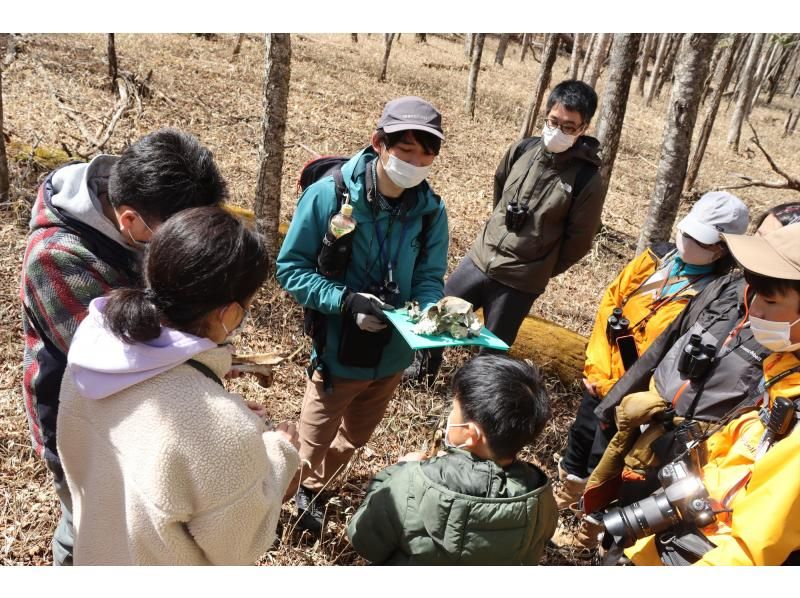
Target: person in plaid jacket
89 225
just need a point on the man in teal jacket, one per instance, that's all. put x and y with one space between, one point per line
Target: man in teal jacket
399 253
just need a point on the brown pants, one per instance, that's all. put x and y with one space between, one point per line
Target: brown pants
333 426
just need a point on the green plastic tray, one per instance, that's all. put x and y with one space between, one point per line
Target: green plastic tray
399 319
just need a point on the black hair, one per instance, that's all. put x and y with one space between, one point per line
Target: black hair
576 96
768 286
506 397
429 142
786 213
163 173
197 261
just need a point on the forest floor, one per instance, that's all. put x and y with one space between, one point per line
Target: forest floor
335 101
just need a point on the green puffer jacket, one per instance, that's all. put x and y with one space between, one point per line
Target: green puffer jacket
455 510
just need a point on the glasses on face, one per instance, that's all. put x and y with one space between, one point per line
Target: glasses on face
703 245
567 129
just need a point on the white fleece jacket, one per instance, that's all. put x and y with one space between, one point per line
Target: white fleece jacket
173 470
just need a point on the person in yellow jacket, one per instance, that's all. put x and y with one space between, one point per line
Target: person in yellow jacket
651 291
760 490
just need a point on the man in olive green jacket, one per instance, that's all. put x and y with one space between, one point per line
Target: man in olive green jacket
476 506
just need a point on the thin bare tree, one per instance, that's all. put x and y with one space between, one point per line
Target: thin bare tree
542 82
588 56
743 102
575 58
469 44
388 38
669 63
723 78
4 181
354 38
690 74
238 46
647 51
112 62
599 56
500 55
525 42
790 181
277 72
738 68
421 38
663 42
474 69
615 99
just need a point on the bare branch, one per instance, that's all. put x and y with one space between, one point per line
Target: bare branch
773 165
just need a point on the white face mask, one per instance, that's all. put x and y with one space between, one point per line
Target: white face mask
775 336
403 174
692 253
232 334
445 438
556 141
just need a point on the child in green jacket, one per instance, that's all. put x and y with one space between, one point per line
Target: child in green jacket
476 503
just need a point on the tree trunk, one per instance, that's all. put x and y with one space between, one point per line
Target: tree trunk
574 60
690 74
615 99
723 78
649 44
354 38
669 63
388 38
238 47
112 62
277 72
4 182
525 41
590 49
660 54
474 69
712 71
738 69
548 58
421 38
469 44
501 48
763 70
743 103
596 63
774 77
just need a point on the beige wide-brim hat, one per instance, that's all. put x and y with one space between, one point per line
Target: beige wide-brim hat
776 254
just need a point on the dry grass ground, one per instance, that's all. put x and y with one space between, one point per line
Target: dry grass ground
334 102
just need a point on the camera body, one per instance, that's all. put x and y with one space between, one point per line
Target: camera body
388 291
516 214
681 498
697 358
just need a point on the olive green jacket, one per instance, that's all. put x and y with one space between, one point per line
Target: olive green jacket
455 510
560 224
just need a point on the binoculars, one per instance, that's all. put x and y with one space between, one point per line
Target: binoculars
697 358
387 292
617 326
515 216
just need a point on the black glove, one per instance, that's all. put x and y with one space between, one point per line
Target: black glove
366 310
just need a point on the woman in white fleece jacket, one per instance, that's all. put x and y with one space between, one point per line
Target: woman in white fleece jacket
165 466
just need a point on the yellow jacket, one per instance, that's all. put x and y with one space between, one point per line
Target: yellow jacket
764 527
635 295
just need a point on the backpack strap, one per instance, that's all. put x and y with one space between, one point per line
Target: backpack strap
205 370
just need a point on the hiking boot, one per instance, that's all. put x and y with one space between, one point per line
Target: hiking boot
569 491
582 541
310 515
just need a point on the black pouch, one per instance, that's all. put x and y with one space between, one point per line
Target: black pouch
335 255
682 547
359 348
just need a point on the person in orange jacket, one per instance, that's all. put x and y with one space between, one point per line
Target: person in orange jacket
753 483
651 291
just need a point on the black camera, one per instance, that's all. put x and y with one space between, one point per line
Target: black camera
681 498
616 326
516 214
388 291
696 359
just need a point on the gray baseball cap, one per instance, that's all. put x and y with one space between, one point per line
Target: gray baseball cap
411 112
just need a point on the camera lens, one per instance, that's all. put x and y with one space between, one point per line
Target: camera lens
648 516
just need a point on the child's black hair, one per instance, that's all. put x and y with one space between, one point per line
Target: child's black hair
163 173
786 213
197 261
770 287
576 96
506 397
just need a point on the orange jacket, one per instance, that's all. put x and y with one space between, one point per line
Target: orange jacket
632 292
764 527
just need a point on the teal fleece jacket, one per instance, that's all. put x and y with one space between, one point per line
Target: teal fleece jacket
422 280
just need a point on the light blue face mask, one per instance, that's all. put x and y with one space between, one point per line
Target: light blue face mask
446 441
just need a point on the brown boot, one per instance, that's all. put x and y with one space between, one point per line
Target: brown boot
570 490
581 540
